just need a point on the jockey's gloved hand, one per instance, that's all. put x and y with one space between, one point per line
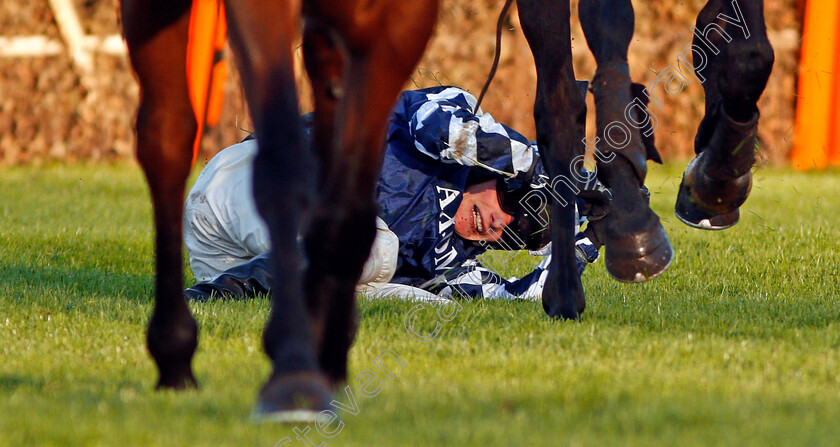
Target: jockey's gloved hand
586 252
594 199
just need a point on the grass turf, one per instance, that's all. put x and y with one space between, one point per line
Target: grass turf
737 344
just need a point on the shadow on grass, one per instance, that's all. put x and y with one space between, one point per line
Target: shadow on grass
11 382
20 281
727 316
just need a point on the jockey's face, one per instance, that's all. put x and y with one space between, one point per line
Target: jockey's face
479 215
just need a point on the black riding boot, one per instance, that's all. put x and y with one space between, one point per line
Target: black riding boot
243 281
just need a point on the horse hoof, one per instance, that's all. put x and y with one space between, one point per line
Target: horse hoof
297 398
563 303
638 257
708 203
563 309
690 215
181 382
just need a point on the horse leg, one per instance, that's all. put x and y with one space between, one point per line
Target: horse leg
323 60
733 58
383 43
637 248
326 293
261 34
156 34
560 115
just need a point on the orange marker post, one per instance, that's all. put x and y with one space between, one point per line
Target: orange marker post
206 69
817 135
834 123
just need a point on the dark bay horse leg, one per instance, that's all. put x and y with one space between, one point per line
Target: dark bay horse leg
733 58
560 114
637 248
156 34
382 44
323 59
262 34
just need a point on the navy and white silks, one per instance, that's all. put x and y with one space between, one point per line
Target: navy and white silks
435 142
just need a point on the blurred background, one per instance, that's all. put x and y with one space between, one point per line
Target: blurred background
54 108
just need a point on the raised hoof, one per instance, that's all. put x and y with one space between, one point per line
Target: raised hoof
297 398
688 214
638 257
708 203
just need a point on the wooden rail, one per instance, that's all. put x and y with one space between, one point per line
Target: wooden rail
74 41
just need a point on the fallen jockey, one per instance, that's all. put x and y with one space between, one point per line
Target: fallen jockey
450 189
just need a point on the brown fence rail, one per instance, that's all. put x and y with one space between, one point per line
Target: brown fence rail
51 108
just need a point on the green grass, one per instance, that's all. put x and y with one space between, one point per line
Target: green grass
737 344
